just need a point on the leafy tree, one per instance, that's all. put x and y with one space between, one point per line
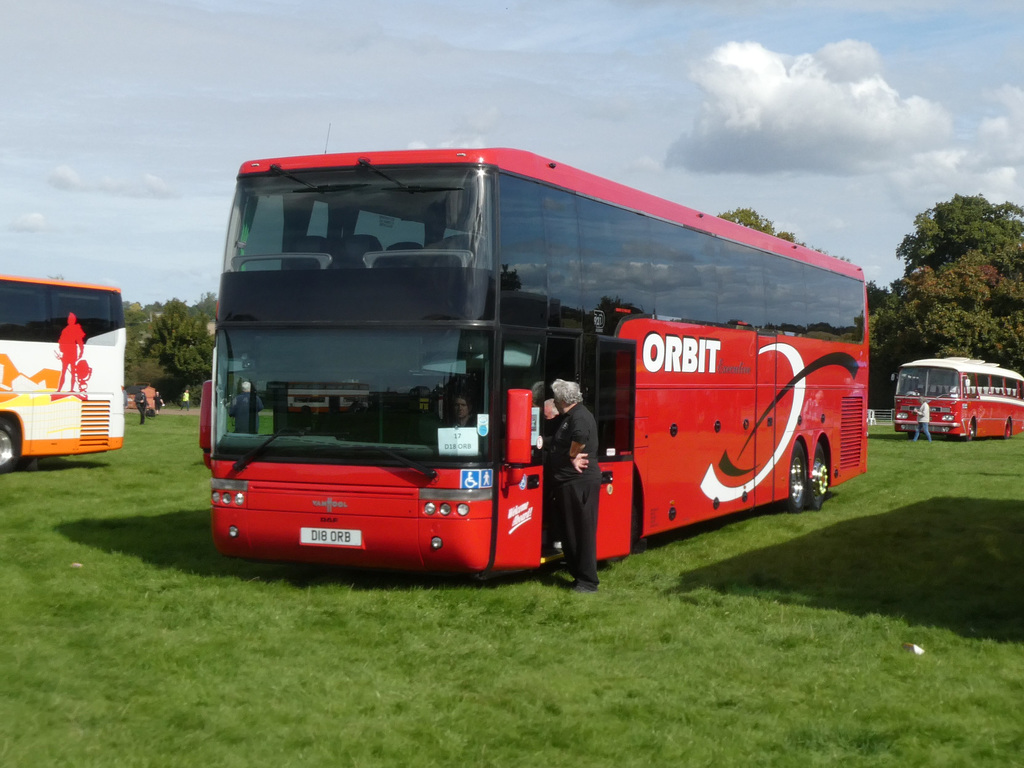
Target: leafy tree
748 217
962 293
950 230
206 307
182 344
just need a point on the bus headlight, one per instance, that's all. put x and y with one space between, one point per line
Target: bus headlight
429 508
462 509
446 508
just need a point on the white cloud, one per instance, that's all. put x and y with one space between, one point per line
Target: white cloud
29 222
67 178
64 177
1002 137
828 112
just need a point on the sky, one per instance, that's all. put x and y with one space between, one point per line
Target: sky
124 122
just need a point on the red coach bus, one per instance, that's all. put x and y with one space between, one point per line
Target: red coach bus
967 398
726 369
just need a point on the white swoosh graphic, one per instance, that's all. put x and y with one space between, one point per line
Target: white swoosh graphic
714 488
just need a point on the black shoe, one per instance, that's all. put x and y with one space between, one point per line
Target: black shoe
584 588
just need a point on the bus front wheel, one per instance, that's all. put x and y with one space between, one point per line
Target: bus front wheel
1008 430
797 499
971 432
10 446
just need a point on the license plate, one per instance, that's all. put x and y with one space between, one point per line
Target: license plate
331 537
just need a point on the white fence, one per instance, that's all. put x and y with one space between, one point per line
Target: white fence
879 417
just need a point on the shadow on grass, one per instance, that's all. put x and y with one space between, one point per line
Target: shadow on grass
59 464
954 563
182 541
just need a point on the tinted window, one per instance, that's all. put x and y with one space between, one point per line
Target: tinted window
634 264
741 281
682 281
38 312
616 265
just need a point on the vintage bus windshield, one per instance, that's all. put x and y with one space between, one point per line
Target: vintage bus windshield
927 382
354 395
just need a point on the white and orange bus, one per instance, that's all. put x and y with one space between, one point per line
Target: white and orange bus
61 369
726 369
967 398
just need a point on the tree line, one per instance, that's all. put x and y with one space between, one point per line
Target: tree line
961 294
170 345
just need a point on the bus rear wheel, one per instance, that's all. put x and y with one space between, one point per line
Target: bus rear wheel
819 479
10 446
1008 430
797 499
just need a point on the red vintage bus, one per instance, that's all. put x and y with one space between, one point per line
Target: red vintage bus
726 369
967 398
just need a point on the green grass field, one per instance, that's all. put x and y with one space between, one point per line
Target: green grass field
771 640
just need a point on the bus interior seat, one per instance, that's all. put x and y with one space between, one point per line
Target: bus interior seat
310 244
406 245
301 254
353 247
431 258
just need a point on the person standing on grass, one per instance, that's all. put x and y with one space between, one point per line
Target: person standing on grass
924 415
576 483
184 401
141 404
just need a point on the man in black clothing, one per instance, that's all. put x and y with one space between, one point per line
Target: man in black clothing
141 404
576 483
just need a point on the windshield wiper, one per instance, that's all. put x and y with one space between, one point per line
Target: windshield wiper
318 188
275 168
249 457
429 472
365 163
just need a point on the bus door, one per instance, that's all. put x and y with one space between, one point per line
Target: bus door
614 398
519 480
765 420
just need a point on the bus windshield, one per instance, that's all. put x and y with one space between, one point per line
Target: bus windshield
397 244
919 381
354 395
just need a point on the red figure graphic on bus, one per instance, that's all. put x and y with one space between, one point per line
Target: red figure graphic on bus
72 347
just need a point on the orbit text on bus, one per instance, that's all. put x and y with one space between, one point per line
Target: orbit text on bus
680 354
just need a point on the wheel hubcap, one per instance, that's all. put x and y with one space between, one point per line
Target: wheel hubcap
819 479
6 447
796 480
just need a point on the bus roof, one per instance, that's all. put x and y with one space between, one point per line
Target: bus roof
46 281
542 169
964 365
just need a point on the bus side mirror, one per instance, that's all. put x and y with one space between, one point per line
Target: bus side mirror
518 429
206 420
